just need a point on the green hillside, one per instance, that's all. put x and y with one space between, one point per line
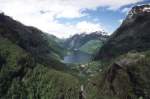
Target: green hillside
28 66
22 78
56 46
127 76
91 46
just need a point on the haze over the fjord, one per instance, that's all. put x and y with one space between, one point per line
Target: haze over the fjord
67 17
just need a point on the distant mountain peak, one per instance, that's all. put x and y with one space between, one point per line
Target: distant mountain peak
139 9
100 32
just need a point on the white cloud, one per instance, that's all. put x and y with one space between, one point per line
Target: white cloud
120 21
88 27
126 10
83 26
29 13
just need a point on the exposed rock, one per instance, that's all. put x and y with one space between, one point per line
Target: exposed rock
139 9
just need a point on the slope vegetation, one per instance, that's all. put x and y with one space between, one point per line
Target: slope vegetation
28 69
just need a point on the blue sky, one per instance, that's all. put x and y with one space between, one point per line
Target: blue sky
109 19
64 18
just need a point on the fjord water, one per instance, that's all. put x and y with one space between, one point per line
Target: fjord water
77 57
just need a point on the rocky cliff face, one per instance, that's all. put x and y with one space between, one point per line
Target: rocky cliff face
132 35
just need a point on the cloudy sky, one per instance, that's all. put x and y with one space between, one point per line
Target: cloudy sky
67 17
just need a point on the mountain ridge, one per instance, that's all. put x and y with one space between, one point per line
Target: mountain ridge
29 38
78 40
133 34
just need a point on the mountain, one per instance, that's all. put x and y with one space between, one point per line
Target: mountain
29 68
78 40
125 58
31 40
132 35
